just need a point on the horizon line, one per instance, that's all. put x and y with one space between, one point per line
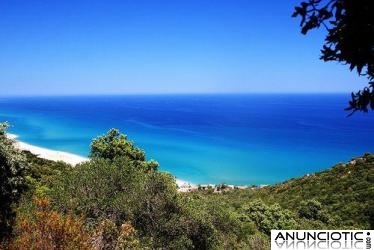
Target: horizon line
175 94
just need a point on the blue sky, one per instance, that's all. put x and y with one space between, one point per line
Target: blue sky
148 46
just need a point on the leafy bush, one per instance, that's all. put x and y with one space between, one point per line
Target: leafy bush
271 217
12 179
312 210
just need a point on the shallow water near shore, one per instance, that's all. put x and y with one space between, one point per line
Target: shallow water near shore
236 139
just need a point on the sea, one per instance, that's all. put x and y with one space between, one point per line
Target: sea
240 139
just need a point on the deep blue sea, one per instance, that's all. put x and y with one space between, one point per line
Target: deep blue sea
236 139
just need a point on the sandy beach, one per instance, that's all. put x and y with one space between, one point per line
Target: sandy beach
48 154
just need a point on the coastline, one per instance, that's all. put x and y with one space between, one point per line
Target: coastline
48 154
73 159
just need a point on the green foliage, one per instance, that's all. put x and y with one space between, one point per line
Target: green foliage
271 217
102 188
12 179
312 210
42 174
228 228
114 144
349 39
119 190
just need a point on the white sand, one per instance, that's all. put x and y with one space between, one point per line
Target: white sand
48 154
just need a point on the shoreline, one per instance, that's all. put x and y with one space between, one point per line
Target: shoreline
74 159
49 154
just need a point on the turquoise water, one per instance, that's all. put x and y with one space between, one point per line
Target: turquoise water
237 139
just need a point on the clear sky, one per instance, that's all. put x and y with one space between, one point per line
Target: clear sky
74 47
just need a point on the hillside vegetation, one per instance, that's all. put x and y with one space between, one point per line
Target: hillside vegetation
119 200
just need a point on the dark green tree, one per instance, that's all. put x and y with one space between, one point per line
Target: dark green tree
313 210
268 218
116 145
113 144
350 39
12 182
